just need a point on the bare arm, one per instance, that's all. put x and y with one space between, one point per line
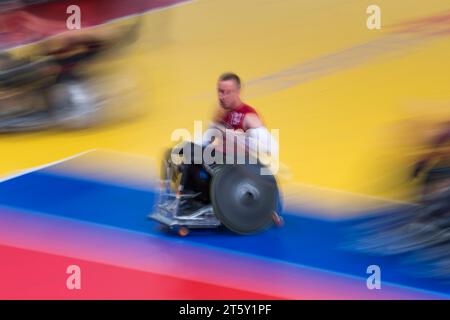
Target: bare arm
252 121
256 130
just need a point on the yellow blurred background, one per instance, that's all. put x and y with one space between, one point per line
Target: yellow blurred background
351 103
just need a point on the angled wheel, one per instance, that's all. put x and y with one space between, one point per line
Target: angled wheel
242 198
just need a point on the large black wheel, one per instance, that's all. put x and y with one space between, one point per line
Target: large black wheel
242 198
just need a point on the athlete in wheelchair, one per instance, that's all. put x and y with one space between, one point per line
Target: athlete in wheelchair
222 180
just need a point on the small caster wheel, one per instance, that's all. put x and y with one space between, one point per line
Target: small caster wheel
277 220
183 231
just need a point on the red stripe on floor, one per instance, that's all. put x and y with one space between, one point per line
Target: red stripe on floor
26 274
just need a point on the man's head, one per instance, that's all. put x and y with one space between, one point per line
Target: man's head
229 90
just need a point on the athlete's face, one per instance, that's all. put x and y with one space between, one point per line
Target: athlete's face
228 92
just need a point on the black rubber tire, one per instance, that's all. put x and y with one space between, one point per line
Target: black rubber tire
243 199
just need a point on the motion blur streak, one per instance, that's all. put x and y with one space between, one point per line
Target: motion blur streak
359 114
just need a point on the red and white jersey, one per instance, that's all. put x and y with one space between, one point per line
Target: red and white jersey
234 119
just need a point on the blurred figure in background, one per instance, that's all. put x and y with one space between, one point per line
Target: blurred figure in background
422 230
48 88
436 185
440 147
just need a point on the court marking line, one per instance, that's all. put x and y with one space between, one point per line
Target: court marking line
47 165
